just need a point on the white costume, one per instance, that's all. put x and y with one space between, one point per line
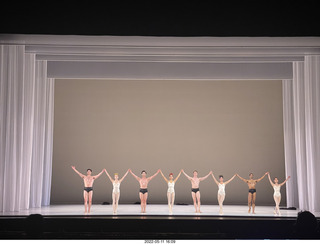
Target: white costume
221 190
170 187
276 191
116 187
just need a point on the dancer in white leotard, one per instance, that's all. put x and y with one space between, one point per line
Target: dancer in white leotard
116 189
221 191
170 192
277 194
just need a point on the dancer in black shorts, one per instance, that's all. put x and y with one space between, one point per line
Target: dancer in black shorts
252 190
195 191
88 187
143 192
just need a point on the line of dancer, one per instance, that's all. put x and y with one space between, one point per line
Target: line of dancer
195 190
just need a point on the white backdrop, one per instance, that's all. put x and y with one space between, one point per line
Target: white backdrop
26 112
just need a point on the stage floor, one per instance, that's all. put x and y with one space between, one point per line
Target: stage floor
153 210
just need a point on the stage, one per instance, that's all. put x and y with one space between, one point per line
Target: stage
70 222
154 210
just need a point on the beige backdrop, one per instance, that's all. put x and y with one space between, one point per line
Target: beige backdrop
224 126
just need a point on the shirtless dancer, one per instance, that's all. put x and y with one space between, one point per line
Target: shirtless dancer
252 190
88 189
195 191
143 192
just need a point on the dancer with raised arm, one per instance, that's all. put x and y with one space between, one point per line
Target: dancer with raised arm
195 191
143 192
88 187
170 193
221 191
277 194
252 190
116 189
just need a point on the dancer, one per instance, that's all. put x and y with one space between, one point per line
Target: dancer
170 192
195 191
116 189
277 194
221 191
252 190
143 192
88 187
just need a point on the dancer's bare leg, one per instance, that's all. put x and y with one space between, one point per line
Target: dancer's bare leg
254 202
85 198
145 197
169 201
194 201
220 200
141 201
117 201
277 201
198 199
172 200
90 200
114 199
249 201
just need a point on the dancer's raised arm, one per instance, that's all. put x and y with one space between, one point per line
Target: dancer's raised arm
214 178
246 181
137 178
164 176
124 176
285 181
151 177
270 179
228 181
81 175
108 175
177 177
98 175
205 177
190 178
262 177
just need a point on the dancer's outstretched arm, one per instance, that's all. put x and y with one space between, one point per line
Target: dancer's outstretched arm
228 181
214 178
285 181
205 177
262 177
270 179
81 175
246 181
124 176
186 175
164 177
108 175
137 178
98 175
177 177
151 177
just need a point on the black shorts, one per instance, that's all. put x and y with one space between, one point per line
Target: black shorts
143 191
195 190
88 189
252 191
